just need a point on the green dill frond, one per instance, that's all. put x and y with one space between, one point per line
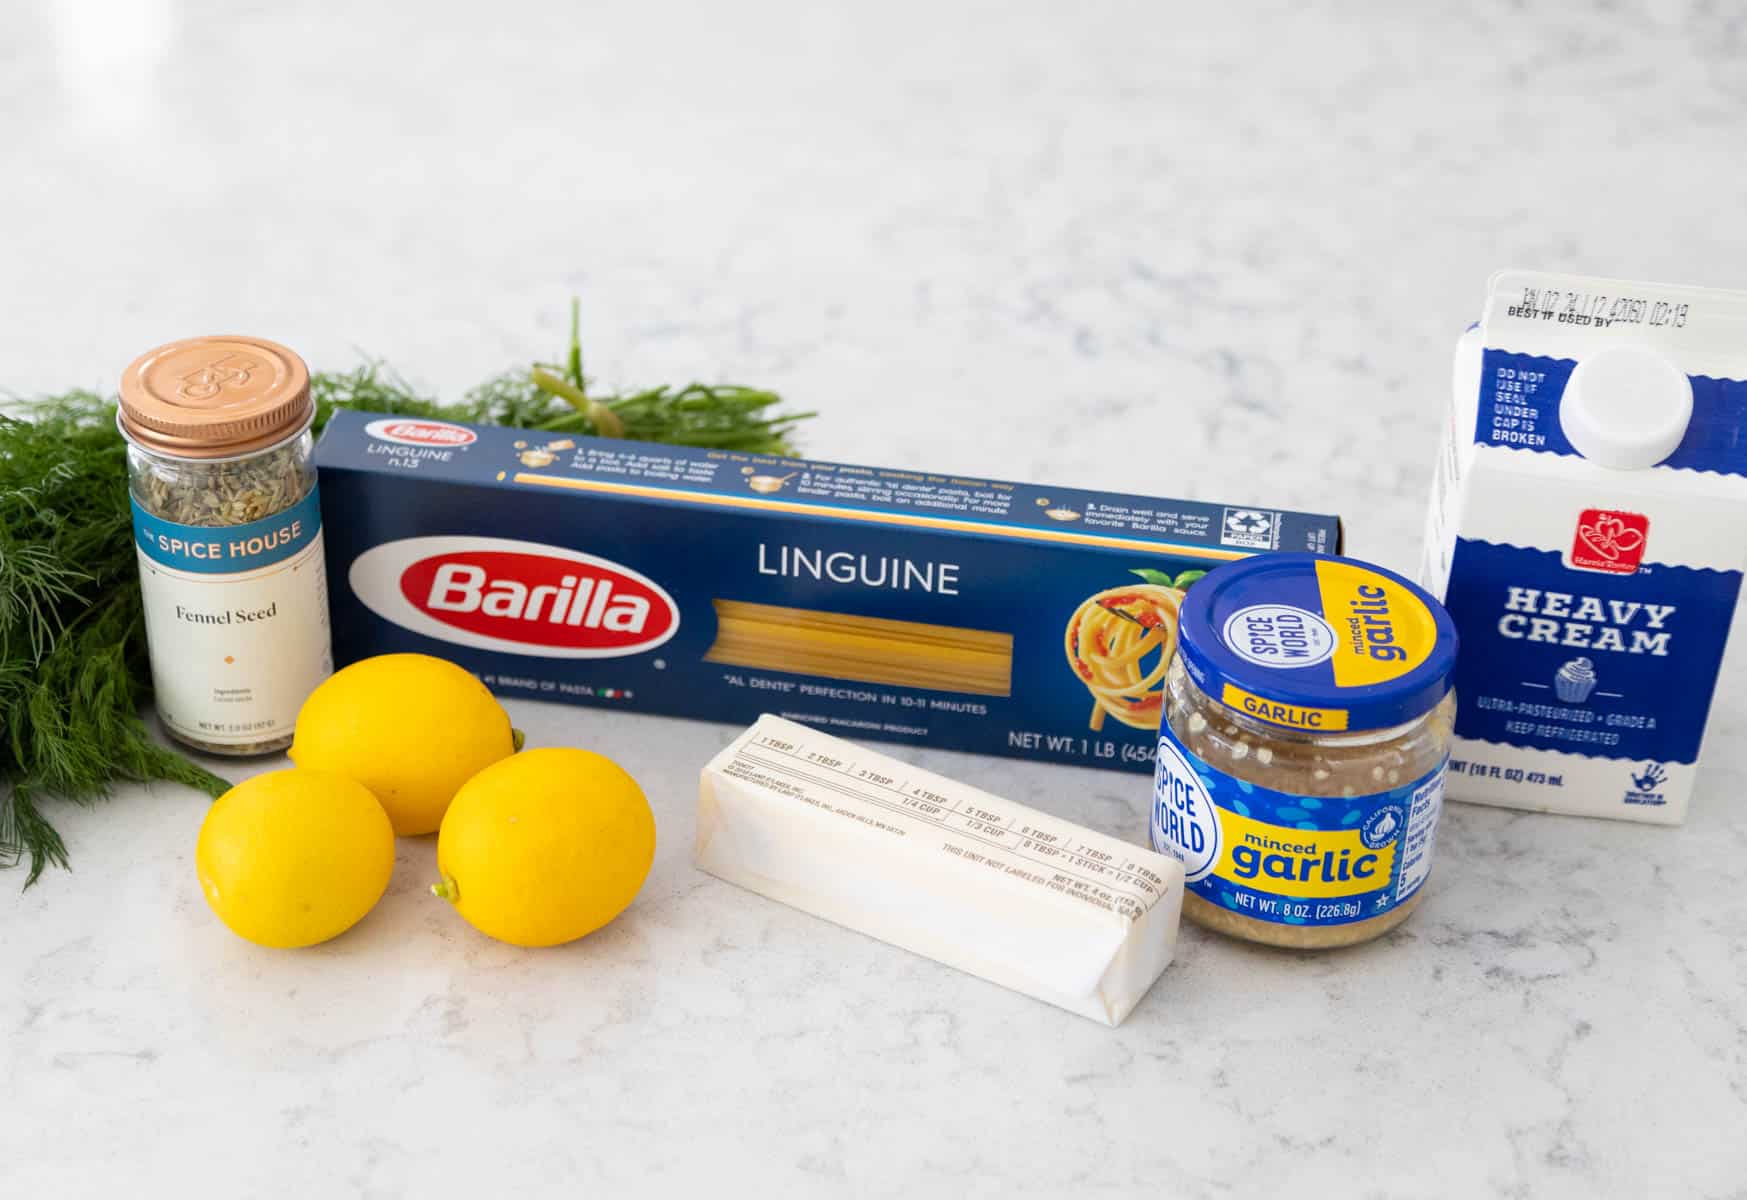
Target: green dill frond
372 386
26 833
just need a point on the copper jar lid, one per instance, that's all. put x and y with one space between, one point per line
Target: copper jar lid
214 397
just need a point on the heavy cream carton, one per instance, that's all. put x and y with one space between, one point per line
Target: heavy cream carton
1587 533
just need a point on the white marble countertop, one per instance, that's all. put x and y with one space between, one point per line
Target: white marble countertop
1214 257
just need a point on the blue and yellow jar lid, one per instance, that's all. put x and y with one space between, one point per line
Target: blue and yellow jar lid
1317 643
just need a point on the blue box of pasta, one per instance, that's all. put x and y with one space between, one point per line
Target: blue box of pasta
940 610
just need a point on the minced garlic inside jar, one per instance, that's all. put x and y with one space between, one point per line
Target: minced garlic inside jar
1321 766
1301 755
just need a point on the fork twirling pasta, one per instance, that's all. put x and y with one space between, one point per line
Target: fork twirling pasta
1120 642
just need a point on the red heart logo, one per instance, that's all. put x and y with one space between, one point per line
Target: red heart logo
1611 541
1598 542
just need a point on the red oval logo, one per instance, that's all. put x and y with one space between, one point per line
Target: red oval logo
409 432
539 600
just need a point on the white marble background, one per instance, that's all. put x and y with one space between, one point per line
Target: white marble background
1145 247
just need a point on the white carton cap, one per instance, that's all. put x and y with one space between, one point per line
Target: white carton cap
1626 407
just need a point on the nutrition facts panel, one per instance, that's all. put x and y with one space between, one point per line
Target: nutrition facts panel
981 829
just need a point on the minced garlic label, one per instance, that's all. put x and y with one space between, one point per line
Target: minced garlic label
1383 630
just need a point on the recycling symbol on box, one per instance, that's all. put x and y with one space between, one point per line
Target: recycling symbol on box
1248 522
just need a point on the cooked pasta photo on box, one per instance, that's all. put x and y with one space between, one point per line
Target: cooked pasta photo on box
880 603
1120 643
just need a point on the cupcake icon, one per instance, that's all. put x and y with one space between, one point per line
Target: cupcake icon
1575 680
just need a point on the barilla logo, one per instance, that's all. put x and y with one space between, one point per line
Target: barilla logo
514 597
408 432
1612 542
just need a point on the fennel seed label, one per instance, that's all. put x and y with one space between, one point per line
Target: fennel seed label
227 525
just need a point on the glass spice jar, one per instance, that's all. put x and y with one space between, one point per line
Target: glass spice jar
227 524
1302 752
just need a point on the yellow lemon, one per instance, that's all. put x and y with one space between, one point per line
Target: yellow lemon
545 847
295 857
409 727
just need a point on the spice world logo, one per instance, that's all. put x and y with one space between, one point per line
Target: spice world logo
420 433
514 597
1611 542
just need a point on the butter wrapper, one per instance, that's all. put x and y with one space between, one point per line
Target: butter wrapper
1023 899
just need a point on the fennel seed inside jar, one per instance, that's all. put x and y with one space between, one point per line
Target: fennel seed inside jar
1302 752
227 526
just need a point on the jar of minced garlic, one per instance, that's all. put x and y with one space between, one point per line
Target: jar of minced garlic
227 525
1302 751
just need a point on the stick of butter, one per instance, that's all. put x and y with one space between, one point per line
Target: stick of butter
1021 898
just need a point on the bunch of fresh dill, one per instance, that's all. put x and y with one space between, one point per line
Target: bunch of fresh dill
74 676
554 397
73 670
